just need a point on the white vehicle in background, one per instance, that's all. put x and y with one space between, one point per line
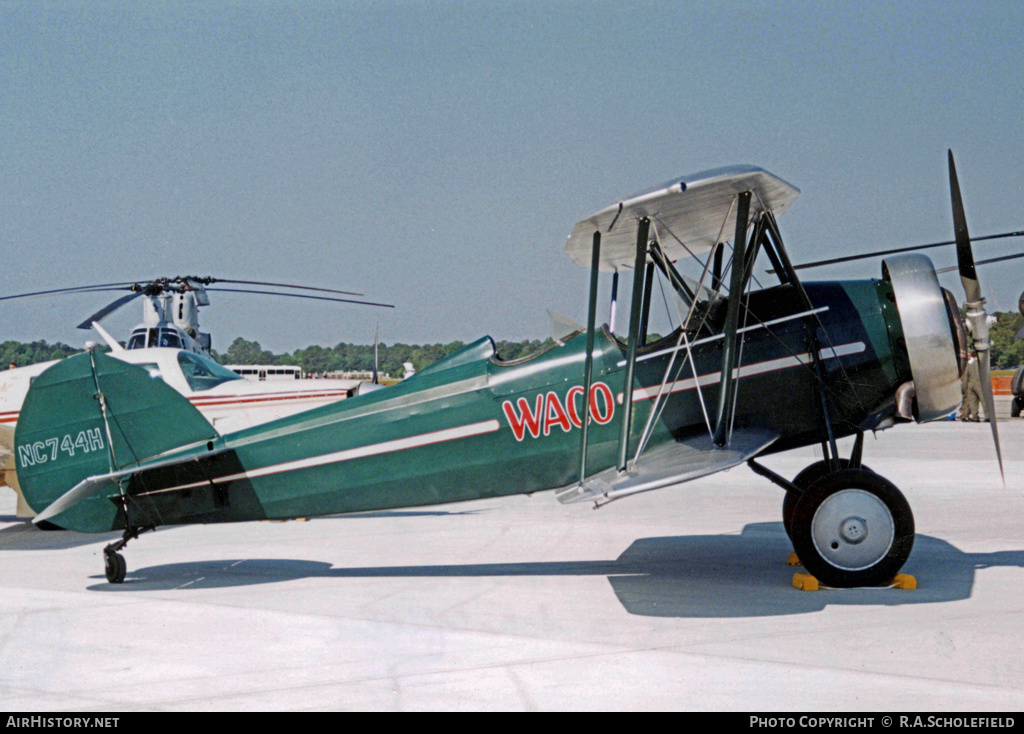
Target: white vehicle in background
266 372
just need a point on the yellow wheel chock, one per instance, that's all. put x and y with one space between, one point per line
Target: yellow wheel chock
806 582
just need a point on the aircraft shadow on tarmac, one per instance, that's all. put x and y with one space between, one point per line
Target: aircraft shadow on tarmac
23 535
743 575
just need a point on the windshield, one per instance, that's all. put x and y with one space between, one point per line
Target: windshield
138 339
170 338
201 373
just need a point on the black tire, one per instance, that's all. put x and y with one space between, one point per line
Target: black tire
115 567
1015 406
853 528
808 476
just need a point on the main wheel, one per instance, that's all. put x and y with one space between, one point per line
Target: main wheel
853 528
115 567
808 476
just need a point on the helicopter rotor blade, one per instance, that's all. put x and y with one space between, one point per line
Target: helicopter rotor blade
983 262
77 289
211 281
300 295
109 309
977 319
879 253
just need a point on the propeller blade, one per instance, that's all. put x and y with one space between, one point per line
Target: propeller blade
964 256
985 373
977 319
108 309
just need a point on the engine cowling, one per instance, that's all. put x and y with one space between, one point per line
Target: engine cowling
929 326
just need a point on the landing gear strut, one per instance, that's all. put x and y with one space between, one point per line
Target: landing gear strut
114 565
849 526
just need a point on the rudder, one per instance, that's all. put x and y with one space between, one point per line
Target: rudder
90 415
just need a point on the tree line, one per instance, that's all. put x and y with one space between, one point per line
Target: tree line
1007 352
339 358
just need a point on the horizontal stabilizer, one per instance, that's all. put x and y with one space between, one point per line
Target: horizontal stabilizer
672 464
92 485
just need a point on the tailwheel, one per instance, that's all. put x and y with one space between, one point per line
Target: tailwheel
852 528
803 481
115 567
113 562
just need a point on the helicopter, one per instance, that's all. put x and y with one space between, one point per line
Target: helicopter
594 418
170 307
169 345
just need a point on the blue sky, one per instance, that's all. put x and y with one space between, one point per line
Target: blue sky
435 155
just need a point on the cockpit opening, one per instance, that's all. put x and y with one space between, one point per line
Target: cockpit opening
201 373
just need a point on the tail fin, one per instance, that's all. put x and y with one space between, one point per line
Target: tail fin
91 415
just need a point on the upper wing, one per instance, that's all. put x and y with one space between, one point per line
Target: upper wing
689 215
670 464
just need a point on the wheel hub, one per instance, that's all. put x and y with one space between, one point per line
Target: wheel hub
852 530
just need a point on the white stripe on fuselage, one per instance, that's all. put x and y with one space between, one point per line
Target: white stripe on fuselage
749 370
491 426
337 457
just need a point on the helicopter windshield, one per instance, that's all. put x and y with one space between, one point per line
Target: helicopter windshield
138 339
142 338
201 373
170 338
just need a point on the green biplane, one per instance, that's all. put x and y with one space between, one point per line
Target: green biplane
749 370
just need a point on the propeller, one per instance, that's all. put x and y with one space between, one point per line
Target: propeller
974 305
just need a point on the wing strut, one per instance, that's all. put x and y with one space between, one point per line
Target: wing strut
588 365
635 309
727 388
